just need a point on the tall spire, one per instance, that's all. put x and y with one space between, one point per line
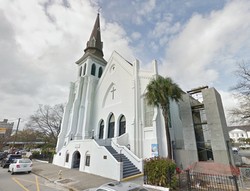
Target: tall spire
94 45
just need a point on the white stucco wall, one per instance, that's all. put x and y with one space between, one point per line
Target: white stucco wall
121 75
120 91
101 161
117 75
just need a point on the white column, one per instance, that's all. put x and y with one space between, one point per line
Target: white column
91 86
137 126
80 126
75 112
65 121
155 66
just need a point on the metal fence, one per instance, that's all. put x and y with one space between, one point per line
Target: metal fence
184 182
194 181
244 177
200 181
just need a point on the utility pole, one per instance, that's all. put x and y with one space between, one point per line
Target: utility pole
16 132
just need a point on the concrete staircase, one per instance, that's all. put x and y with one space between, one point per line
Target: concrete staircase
129 169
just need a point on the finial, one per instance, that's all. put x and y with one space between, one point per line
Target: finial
99 10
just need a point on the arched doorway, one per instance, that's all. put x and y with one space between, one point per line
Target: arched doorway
111 126
76 159
101 129
122 125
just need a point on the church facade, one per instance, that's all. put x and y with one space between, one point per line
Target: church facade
108 128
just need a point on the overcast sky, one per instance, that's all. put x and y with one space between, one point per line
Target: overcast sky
195 42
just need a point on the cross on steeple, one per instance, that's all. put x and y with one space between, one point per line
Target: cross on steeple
99 10
113 92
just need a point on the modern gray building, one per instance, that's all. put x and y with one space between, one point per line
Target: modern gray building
202 129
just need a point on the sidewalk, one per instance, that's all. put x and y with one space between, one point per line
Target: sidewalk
72 179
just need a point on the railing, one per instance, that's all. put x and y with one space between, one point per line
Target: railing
103 142
110 161
131 156
121 140
201 181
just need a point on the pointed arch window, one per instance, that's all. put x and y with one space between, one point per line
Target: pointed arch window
101 130
84 69
100 72
122 125
93 68
111 127
80 71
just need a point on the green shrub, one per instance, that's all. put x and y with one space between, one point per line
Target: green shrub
35 154
160 172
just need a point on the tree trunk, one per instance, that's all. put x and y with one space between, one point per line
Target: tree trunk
169 144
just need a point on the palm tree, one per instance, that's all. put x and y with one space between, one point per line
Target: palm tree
159 93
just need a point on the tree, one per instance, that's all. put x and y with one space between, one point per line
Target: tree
241 113
29 136
242 140
159 93
47 120
5 137
3 141
247 140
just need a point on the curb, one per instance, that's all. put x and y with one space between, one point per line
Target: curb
41 161
156 187
132 177
56 182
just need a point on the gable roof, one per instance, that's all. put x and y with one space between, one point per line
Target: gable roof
117 59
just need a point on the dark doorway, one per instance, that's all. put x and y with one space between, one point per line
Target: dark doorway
101 130
111 127
76 159
122 126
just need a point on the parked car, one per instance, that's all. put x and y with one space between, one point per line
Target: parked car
20 165
3 155
119 186
6 161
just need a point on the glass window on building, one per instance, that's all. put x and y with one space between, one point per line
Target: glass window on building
67 157
148 114
87 162
93 68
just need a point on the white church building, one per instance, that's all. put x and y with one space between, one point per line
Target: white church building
108 128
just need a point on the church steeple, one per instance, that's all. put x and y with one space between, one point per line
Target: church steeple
94 45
